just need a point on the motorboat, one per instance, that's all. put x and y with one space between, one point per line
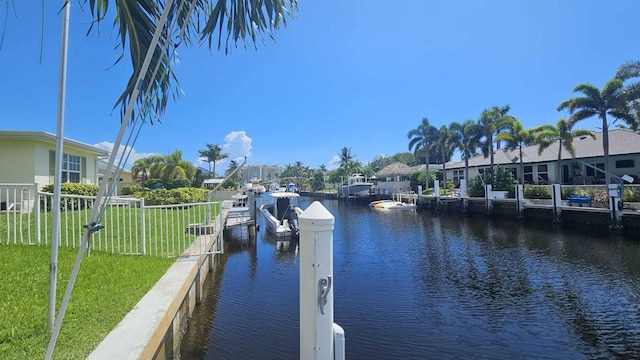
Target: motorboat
281 215
357 186
388 205
254 186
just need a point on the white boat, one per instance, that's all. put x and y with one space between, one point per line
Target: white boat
281 215
357 186
389 205
254 186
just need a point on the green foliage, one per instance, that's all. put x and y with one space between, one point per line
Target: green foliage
198 179
177 183
632 194
130 189
153 184
417 178
174 196
503 180
74 189
537 192
107 288
318 181
476 187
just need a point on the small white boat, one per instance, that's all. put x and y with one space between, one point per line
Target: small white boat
357 186
281 216
254 186
388 205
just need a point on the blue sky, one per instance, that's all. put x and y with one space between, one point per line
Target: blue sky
358 73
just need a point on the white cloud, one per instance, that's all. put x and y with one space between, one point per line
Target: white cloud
334 162
133 155
238 145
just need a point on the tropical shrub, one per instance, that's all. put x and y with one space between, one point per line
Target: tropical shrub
537 192
476 187
153 184
177 183
71 189
74 189
173 196
503 180
632 194
130 189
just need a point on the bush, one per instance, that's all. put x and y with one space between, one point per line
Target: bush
503 180
72 189
537 192
177 183
130 189
153 184
632 194
174 196
476 187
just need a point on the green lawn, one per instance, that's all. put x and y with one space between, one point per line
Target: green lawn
108 286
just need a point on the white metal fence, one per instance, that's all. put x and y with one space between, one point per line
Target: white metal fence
129 226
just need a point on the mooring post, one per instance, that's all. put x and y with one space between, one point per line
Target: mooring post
556 200
615 207
463 195
487 198
418 200
317 330
520 201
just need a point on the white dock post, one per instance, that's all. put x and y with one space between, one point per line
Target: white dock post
556 200
436 188
487 198
520 201
463 195
316 284
615 206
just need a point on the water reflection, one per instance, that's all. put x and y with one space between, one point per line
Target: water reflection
416 285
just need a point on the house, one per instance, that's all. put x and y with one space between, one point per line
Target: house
624 157
394 178
29 157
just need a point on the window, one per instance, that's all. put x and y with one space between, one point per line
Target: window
623 164
70 168
543 174
458 175
528 174
594 173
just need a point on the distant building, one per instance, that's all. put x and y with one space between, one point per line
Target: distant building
264 173
624 159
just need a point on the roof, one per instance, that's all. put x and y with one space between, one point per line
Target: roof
621 142
213 181
395 169
48 137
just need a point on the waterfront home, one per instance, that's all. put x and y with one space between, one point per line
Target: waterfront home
29 157
394 178
540 169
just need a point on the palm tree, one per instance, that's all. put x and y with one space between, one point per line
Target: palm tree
492 121
631 92
598 103
443 146
176 168
546 135
233 165
141 169
212 154
219 23
346 157
517 137
421 138
466 138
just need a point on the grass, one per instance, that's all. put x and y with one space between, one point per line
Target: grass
107 288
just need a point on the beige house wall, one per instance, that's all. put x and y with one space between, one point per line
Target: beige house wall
17 159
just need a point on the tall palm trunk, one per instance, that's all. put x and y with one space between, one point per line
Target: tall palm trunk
559 163
521 174
426 167
605 146
466 170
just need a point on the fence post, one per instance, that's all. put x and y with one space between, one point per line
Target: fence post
556 200
36 209
316 284
142 228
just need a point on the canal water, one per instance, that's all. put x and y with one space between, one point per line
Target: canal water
422 285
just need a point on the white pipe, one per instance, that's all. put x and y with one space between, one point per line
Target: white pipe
57 176
103 186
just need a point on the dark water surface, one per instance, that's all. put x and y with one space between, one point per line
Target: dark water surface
417 285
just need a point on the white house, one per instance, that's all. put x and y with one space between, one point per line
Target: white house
29 157
624 157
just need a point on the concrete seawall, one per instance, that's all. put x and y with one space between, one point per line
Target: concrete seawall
154 328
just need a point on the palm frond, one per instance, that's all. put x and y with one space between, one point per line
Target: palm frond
581 115
628 70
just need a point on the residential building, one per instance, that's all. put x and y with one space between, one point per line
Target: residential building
29 157
624 157
264 173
